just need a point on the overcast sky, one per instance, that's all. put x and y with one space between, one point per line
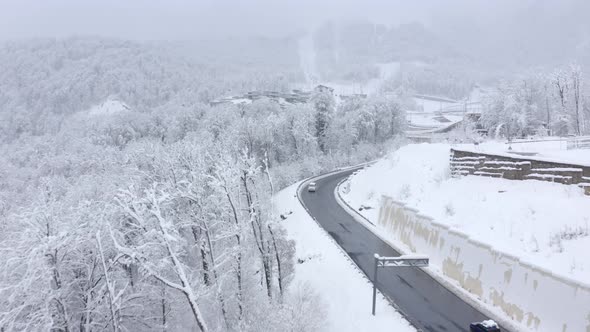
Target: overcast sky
186 19
194 19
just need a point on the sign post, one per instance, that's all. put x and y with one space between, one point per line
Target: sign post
399 261
375 282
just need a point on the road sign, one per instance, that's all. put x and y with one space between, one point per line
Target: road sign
405 260
399 261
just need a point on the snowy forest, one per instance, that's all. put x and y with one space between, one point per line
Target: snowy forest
159 213
555 103
129 201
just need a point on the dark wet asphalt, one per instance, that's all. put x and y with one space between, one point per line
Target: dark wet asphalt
428 305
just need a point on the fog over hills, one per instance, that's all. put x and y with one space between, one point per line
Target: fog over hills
155 156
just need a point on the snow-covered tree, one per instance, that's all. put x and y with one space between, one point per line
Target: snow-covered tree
323 102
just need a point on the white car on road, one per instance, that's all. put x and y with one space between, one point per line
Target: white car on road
311 187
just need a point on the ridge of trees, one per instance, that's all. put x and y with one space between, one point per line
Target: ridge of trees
158 216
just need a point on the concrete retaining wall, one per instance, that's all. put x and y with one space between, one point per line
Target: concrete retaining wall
529 295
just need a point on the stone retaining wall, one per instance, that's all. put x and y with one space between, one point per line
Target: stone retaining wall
518 168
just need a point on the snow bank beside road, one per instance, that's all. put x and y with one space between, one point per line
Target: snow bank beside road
543 223
345 292
548 149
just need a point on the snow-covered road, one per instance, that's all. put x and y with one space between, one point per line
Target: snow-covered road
425 302
344 290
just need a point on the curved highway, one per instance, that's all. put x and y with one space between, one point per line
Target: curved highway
428 305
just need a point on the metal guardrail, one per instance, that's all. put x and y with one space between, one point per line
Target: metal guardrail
578 143
575 142
538 140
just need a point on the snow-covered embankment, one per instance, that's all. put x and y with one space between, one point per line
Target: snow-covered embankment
513 245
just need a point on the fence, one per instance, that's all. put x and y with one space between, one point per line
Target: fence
578 143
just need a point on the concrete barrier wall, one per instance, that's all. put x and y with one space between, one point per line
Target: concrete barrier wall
529 295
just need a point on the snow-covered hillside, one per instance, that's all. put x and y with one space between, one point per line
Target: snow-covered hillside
309 67
109 106
547 224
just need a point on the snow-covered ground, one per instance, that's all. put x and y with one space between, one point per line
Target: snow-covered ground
109 106
549 149
546 224
418 120
345 291
434 113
